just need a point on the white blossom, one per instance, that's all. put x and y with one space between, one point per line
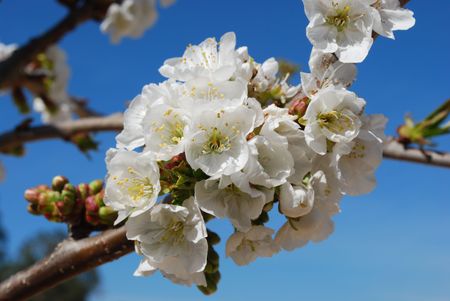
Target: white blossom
245 247
317 224
132 136
129 19
357 160
209 60
172 239
266 75
217 144
390 16
270 164
326 71
132 183
334 115
233 198
165 130
343 27
296 200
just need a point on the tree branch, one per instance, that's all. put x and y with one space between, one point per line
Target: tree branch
11 69
70 258
65 130
9 140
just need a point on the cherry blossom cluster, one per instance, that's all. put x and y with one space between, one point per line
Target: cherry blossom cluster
130 18
346 27
227 137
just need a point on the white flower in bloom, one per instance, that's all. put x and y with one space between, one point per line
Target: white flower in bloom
129 19
278 125
245 247
218 144
281 129
205 61
200 95
270 164
232 197
326 71
343 27
245 65
172 239
333 114
57 91
132 136
357 160
317 224
132 183
389 16
266 75
296 201
165 131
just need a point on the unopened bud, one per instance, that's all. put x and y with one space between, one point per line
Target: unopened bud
298 107
96 186
59 182
107 215
32 195
83 191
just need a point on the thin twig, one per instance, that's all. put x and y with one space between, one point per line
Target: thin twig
70 258
63 130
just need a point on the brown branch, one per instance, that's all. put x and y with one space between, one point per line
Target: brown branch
11 69
397 151
17 137
69 259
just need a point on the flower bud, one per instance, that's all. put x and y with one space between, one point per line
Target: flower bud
107 215
95 186
92 210
58 183
32 195
83 191
298 107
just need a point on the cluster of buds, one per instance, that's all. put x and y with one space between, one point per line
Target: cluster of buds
75 205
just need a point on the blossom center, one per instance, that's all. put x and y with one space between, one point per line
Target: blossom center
217 143
136 186
335 121
173 232
341 19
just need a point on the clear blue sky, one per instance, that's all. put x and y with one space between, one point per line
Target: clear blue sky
393 244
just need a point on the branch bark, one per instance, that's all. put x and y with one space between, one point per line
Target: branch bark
69 259
65 130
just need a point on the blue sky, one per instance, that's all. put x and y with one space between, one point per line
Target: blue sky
392 244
